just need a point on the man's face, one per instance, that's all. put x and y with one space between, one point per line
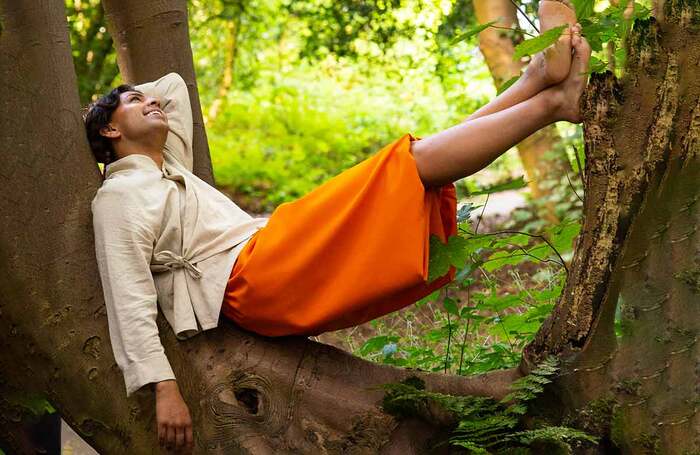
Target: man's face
137 117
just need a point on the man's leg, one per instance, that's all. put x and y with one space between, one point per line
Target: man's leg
470 146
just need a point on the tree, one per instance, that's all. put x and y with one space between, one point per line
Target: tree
638 254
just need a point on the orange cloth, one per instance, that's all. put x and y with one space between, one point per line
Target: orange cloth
353 249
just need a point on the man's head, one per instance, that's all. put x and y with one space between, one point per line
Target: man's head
124 116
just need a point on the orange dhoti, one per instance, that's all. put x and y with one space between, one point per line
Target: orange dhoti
353 249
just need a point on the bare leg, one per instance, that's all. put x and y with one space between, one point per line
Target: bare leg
470 146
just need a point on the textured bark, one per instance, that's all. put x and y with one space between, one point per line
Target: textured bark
151 39
246 394
638 258
498 48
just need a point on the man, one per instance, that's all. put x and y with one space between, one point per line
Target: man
351 250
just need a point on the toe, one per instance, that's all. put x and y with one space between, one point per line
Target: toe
582 54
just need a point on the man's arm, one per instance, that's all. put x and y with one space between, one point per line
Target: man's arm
175 102
123 246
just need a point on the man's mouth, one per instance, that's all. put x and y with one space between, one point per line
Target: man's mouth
155 113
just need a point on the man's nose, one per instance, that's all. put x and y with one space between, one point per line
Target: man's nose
153 101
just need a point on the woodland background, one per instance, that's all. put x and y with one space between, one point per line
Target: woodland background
294 92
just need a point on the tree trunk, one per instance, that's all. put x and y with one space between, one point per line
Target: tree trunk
498 48
250 394
246 393
637 262
151 39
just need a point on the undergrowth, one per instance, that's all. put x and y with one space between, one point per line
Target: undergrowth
484 425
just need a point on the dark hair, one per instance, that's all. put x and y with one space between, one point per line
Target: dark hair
97 115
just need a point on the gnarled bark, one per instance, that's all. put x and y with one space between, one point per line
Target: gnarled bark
638 257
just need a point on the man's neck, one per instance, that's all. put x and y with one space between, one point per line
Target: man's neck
130 148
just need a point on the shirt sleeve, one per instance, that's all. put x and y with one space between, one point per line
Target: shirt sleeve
171 89
123 246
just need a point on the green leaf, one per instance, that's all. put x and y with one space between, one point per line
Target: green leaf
37 404
504 86
501 258
442 256
450 306
471 32
500 303
539 43
562 236
584 8
510 185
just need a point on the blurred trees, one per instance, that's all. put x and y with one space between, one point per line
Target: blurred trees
93 53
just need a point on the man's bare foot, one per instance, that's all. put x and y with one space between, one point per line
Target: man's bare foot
552 65
566 96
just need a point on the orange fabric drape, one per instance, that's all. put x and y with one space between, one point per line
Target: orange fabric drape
353 249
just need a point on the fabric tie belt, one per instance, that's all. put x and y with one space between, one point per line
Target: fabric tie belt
167 260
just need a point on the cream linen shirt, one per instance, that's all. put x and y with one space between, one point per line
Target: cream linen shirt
163 237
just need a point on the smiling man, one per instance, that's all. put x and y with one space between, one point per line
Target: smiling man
353 249
163 236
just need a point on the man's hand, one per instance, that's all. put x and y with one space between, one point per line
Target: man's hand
173 418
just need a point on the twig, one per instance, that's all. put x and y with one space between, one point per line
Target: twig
537 236
476 229
572 187
449 334
525 15
581 175
466 332
518 29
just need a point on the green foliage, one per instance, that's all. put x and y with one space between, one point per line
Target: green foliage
484 425
334 27
539 43
93 55
278 141
584 8
610 28
515 184
472 31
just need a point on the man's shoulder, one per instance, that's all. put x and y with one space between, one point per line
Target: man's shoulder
127 189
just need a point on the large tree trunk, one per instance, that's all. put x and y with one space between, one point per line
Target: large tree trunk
250 394
498 48
638 258
247 394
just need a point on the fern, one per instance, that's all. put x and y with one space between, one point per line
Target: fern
484 425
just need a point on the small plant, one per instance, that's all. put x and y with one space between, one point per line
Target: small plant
484 425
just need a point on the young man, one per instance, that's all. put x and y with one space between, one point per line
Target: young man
351 250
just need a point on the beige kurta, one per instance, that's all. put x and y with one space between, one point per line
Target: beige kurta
163 237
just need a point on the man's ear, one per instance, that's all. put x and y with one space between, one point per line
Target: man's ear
110 131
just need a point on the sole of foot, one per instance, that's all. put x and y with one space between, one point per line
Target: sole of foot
568 93
557 58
